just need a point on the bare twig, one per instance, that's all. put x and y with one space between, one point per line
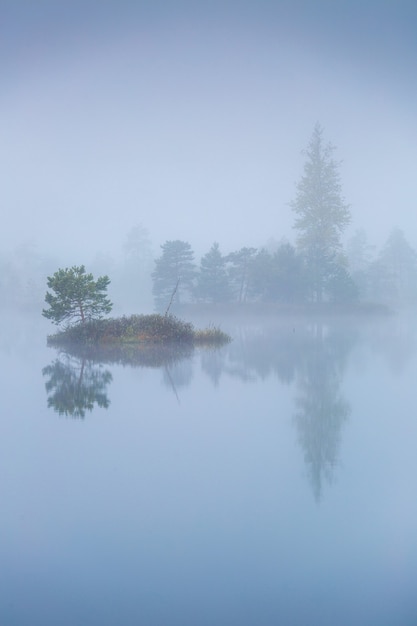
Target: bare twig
172 297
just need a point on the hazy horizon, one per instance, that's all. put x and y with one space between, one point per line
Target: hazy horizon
191 119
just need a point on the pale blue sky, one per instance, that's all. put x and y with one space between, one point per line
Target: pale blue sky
191 118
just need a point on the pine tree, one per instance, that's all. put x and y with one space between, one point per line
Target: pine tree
175 267
240 272
213 283
321 213
78 297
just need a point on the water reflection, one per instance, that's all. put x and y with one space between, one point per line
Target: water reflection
213 363
75 386
178 374
269 350
309 357
77 381
321 409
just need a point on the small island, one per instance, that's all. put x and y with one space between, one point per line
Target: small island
80 302
141 330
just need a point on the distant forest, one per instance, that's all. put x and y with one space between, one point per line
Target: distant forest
317 268
280 273
274 273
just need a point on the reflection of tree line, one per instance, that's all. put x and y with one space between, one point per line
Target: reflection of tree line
309 355
312 356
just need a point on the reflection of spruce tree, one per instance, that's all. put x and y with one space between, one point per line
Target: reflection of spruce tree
74 387
321 409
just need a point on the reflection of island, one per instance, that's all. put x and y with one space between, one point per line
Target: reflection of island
76 385
77 381
132 354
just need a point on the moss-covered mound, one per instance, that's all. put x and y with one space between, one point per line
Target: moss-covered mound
138 330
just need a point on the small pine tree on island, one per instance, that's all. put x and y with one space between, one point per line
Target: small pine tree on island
76 296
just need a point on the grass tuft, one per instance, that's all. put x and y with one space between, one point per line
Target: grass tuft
211 336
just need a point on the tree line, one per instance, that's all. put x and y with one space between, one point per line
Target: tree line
315 269
282 274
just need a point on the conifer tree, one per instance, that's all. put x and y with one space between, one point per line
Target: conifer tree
240 272
174 268
77 296
321 213
213 282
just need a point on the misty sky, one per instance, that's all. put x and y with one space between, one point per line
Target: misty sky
190 118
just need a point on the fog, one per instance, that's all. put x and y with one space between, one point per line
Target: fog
191 119
266 481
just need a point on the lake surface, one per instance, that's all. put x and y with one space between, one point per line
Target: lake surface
272 481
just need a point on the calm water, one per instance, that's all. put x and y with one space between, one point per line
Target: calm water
270 482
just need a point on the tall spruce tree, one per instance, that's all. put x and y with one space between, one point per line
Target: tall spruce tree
321 213
174 269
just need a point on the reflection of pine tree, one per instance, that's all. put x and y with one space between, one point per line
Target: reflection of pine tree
321 410
75 386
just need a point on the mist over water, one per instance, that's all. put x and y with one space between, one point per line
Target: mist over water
220 486
269 481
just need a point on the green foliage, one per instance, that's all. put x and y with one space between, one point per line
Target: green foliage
213 282
240 272
76 296
175 264
321 214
